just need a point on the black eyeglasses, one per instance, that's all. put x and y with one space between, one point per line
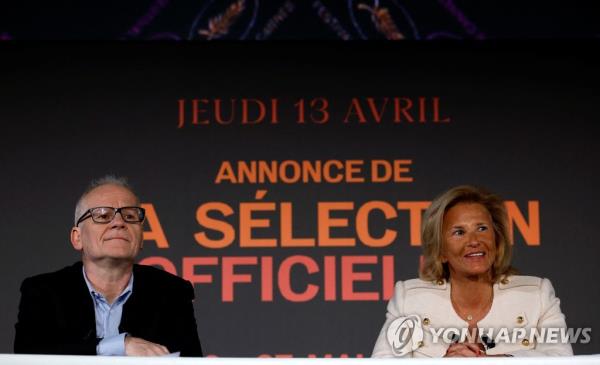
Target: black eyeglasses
105 215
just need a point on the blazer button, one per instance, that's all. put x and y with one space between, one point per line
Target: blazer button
426 321
525 342
520 319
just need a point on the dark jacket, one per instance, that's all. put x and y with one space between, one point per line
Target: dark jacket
56 313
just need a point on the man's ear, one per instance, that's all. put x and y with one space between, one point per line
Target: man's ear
76 238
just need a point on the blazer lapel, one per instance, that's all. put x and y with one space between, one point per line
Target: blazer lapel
136 319
79 306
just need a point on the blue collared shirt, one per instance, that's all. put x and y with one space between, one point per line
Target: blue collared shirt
108 318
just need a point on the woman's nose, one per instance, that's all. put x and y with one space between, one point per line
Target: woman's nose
473 238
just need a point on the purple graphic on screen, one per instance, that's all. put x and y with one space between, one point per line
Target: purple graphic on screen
465 22
442 35
5 37
330 20
156 8
280 16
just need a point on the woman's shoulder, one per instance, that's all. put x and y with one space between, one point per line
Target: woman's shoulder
523 282
416 284
516 281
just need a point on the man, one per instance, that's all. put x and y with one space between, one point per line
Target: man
106 304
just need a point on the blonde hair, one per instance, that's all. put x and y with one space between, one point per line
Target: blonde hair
432 238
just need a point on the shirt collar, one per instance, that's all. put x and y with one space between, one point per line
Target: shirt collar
124 294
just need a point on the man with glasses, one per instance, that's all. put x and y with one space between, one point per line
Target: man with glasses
106 304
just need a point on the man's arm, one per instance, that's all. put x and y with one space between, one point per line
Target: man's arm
37 330
161 310
186 324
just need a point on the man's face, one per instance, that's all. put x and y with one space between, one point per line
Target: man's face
114 241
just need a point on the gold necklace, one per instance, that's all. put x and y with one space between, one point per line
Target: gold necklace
469 316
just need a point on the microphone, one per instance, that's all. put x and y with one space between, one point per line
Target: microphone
488 342
455 338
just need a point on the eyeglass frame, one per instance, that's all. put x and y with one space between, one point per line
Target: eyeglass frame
116 210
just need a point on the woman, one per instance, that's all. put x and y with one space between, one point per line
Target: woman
468 302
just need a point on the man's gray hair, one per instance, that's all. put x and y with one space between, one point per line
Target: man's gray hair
104 180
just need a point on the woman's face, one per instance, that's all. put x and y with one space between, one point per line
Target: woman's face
469 244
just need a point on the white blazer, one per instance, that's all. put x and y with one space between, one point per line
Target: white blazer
525 302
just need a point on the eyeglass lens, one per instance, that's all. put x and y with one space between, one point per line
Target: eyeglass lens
106 214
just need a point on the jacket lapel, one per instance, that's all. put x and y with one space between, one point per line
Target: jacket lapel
79 306
136 319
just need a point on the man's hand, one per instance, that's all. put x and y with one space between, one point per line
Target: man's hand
135 346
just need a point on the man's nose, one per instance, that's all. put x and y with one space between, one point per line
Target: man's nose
117 221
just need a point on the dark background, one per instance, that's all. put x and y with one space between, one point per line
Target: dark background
524 124
295 19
